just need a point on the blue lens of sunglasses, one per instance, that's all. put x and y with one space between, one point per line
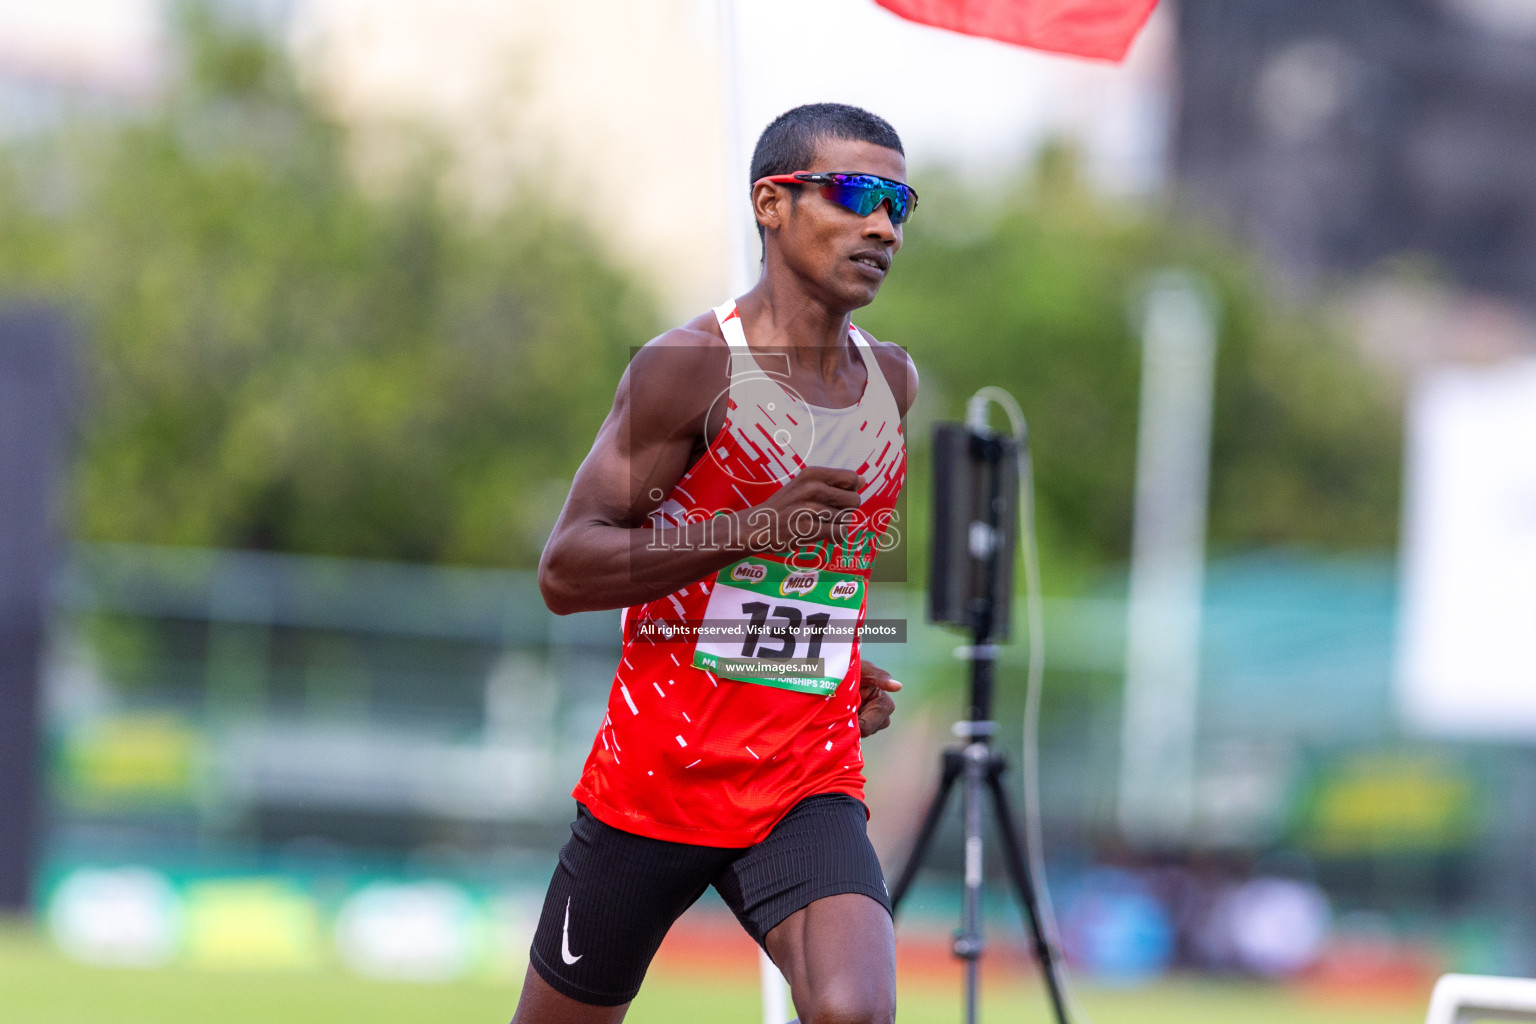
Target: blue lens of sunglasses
863 194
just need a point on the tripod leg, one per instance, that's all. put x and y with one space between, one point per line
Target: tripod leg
1023 884
970 940
953 764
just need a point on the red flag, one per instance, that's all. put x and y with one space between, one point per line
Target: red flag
1102 29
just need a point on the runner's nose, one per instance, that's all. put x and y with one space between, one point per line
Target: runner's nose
878 226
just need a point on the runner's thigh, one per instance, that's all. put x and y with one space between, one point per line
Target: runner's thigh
819 849
839 955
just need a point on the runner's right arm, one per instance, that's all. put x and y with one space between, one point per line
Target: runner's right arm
602 554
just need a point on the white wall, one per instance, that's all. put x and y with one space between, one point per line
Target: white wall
1467 653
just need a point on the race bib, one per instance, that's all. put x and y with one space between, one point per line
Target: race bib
775 625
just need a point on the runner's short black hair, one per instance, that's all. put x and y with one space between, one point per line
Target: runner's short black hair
789 142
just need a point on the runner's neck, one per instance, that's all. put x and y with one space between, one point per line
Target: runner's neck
814 337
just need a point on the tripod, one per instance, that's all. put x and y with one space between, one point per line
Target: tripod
980 769
974 762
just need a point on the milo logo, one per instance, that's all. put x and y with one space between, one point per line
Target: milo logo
749 572
844 591
799 583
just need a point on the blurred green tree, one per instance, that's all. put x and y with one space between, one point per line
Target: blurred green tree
278 360
1036 294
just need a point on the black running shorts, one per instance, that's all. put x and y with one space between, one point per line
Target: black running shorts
615 894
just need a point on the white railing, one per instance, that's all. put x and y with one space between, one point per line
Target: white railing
1465 998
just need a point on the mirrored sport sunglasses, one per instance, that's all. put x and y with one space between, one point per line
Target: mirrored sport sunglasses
861 193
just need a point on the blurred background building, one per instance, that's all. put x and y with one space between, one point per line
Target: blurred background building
1341 137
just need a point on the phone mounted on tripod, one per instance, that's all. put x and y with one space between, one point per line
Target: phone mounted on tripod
975 528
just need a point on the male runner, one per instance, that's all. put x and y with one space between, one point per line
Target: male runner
732 504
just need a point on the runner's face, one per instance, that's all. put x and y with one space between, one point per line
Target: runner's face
840 253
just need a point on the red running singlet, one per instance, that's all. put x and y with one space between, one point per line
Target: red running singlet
737 696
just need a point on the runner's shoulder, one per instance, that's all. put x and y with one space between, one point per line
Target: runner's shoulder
675 377
900 370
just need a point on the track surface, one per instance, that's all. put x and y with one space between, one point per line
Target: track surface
705 973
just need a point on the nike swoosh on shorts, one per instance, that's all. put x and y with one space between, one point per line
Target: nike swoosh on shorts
565 936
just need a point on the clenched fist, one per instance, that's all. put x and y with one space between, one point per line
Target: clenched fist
819 504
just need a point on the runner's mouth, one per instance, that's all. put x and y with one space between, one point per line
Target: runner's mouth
879 262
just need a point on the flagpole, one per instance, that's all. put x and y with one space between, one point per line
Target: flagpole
739 225
1162 661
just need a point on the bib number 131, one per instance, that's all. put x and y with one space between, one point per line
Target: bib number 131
759 634
772 624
